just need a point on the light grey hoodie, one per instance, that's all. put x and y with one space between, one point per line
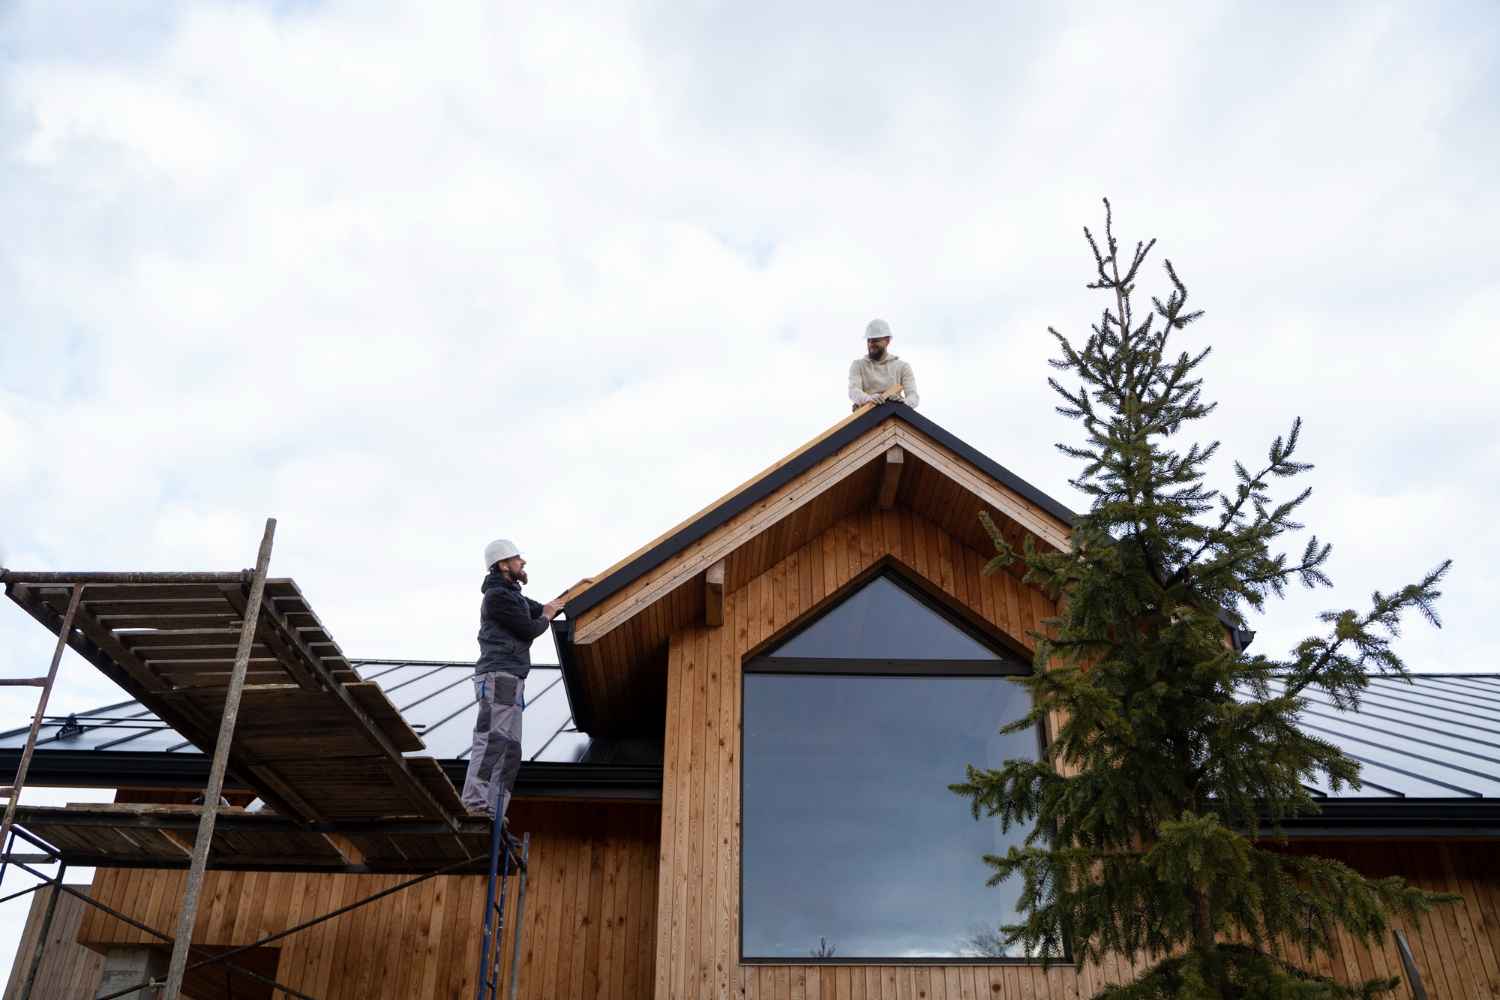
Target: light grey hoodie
867 378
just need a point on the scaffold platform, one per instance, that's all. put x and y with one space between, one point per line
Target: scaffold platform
240 665
310 737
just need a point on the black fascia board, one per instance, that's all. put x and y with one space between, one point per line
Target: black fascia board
1396 818
753 494
567 662
764 487
983 462
1338 819
157 769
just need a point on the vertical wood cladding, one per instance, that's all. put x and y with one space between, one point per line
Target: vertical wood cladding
697 945
68 969
589 928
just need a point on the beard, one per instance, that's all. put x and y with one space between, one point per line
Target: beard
517 576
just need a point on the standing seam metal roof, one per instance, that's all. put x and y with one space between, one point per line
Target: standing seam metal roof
1437 737
435 697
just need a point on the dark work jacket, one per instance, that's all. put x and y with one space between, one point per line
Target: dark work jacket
508 622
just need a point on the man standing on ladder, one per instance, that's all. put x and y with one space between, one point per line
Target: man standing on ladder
508 623
880 376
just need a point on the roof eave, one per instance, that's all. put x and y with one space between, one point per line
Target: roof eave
157 769
778 477
754 492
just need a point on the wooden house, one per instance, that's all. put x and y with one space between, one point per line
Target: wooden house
736 776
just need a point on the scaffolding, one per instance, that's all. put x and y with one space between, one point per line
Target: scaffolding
201 650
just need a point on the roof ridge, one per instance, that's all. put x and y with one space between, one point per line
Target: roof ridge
853 427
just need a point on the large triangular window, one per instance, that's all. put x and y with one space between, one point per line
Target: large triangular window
852 847
887 626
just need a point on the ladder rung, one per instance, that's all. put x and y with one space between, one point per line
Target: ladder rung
16 682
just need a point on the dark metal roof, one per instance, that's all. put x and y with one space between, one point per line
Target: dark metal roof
127 743
1436 739
783 474
435 698
770 482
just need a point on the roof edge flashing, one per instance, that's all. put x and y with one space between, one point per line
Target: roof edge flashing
757 490
578 703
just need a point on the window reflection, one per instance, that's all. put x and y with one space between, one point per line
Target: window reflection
881 621
853 847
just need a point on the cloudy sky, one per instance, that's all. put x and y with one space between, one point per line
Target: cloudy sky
409 276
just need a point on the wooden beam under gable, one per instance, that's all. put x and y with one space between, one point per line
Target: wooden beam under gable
705 552
1013 506
890 477
713 595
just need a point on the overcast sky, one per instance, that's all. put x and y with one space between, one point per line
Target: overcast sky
412 276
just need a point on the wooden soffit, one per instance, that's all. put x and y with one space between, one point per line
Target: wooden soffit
877 458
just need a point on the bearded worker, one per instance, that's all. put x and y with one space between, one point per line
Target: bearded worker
509 622
880 376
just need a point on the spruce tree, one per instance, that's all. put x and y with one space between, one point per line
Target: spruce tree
1176 757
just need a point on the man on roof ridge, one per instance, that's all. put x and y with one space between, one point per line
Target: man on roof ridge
509 622
880 376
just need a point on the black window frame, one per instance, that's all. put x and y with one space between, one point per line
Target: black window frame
1008 664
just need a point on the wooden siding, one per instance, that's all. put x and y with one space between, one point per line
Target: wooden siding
68 969
697 948
589 927
697 945
620 644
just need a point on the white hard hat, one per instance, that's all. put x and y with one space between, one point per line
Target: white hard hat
500 548
878 328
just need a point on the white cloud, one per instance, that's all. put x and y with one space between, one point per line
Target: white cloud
410 276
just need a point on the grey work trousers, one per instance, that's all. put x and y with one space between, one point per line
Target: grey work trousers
495 757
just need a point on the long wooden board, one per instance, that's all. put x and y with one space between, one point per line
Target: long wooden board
313 739
114 835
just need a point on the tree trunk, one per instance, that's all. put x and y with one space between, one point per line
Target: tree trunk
1203 940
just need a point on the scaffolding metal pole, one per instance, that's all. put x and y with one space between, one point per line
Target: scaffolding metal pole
515 958
225 956
41 940
331 915
129 921
36 720
1409 964
215 787
21 892
146 928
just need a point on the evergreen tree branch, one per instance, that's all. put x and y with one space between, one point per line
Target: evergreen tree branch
1168 751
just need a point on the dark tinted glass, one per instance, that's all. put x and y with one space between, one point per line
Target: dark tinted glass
881 621
850 835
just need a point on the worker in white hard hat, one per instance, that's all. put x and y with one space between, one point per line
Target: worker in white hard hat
509 622
880 376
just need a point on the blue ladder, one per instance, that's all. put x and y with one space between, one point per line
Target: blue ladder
491 947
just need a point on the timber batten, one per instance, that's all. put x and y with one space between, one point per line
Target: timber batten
618 627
